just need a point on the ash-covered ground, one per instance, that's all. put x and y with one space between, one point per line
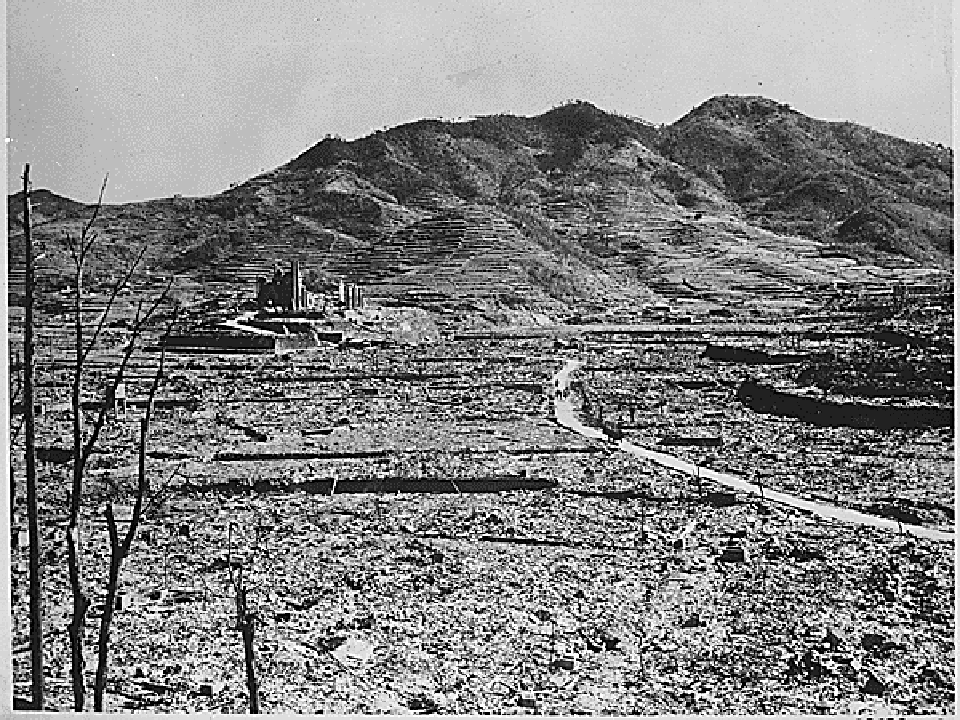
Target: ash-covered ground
418 533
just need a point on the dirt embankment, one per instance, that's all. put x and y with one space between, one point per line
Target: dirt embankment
827 414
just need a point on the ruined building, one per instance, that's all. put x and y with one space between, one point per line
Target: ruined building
351 296
286 291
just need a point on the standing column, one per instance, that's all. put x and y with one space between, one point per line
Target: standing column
295 285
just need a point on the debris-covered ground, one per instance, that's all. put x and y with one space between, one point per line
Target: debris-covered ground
678 395
598 583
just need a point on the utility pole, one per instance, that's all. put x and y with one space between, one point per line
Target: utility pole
246 624
36 624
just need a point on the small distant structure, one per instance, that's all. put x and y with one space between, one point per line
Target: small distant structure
684 540
734 553
120 400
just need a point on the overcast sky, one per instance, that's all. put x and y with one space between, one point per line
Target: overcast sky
188 96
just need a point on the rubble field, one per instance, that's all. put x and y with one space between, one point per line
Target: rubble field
598 584
687 405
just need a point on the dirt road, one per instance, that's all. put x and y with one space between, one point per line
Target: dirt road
567 418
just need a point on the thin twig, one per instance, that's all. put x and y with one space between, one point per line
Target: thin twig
160 495
86 244
118 286
142 477
118 378
72 245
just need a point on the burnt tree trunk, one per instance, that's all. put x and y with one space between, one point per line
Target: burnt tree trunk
36 609
113 581
247 629
246 624
80 601
75 628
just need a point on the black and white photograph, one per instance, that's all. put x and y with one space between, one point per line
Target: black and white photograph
489 357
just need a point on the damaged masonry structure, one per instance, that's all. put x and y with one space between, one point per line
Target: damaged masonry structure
288 292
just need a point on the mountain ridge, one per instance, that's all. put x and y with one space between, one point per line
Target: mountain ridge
564 207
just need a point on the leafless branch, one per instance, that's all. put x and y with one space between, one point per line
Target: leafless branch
72 246
87 242
162 297
120 549
118 286
161 494
118 377
142 476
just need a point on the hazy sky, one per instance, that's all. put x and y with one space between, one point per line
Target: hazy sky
187 96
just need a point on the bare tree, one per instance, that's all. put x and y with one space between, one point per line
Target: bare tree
36 609
83 449
120 548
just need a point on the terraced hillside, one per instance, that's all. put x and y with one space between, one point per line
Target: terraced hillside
740 200
866 191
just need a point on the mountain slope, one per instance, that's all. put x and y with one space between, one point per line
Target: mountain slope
793 173
576 208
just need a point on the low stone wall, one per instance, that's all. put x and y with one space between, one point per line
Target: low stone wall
379 486
220 343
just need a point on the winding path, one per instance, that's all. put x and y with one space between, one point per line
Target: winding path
567 418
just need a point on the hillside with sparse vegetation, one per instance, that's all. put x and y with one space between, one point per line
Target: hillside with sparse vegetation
555 210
